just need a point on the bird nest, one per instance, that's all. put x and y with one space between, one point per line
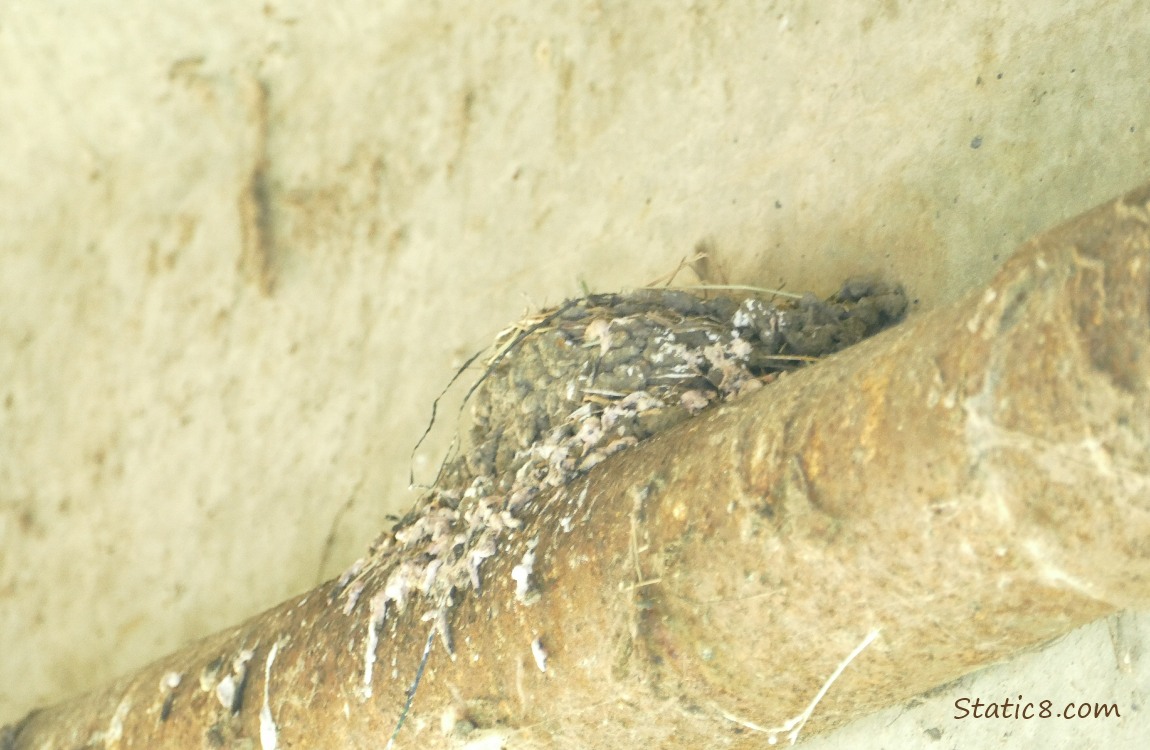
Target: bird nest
568 387
563 390
571 385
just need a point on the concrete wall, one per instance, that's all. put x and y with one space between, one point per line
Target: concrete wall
242 248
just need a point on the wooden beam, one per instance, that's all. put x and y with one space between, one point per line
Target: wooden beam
971 483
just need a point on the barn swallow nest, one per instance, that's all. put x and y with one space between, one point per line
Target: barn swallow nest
572 385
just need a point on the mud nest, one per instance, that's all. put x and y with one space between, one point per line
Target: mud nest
574 384
565 389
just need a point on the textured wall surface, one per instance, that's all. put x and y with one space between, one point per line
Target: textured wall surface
243 248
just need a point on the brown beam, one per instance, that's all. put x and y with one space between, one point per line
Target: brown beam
971 483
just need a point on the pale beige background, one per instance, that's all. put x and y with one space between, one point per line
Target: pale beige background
243 246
